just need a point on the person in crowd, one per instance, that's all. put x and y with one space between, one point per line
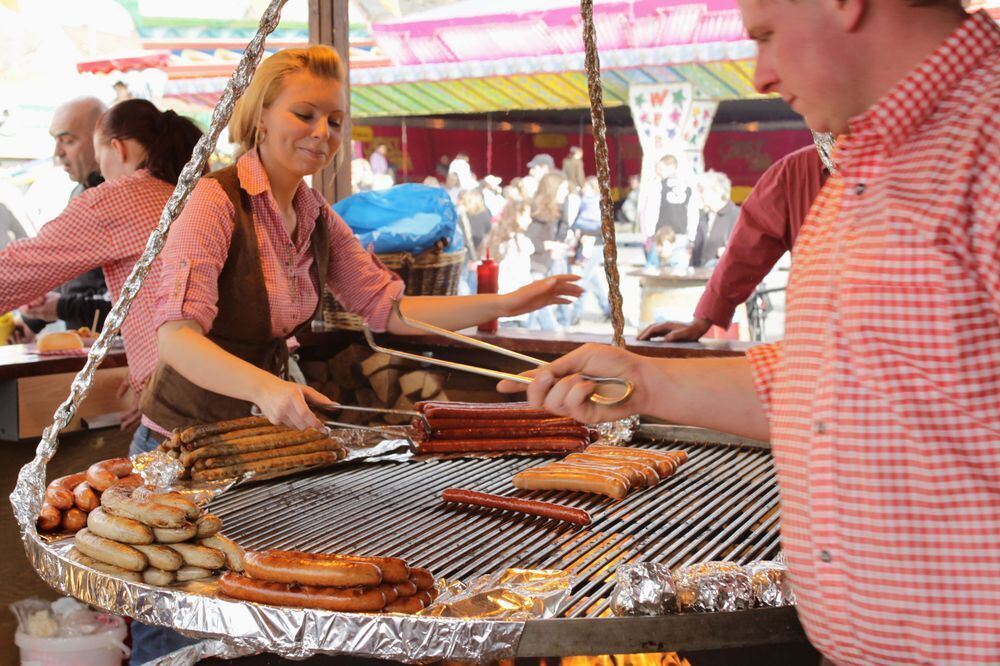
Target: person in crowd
492 195
378 160
122 93
508 244
590 249
361 175
628 212
141 152
246 261
475 222
881 402
716 220
547 232
540 165
572 166
675 206
768 223
81 296
460 178
441 169
432 181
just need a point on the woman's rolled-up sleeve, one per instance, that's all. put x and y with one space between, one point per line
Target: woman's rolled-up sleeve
192 259
358 279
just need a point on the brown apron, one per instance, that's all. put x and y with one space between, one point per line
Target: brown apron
242 326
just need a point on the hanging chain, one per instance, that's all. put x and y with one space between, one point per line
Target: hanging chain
594 88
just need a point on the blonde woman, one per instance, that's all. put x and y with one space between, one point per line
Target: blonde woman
245 263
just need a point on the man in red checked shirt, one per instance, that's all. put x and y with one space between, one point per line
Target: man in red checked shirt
882 404
769 221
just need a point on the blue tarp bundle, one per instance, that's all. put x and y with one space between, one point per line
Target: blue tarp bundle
405 218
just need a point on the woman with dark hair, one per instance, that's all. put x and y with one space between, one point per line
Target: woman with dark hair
141 152
548 233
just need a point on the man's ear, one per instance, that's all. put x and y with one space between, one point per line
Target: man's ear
851 13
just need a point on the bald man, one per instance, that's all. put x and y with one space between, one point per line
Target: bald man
77 301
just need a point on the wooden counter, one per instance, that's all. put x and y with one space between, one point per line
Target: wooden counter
32 386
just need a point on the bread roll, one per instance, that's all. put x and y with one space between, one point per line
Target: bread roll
48 342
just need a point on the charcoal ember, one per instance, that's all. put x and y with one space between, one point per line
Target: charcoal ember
643 589
712 587
770 583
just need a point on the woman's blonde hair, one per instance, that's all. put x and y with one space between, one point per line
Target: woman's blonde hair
319 60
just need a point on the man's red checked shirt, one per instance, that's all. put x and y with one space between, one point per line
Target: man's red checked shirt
106 226
884 399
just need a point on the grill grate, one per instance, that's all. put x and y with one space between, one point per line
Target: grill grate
722 504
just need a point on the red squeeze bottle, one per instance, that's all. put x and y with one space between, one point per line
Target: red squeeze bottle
488 282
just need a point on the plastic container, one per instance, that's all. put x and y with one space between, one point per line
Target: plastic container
105 648
488 282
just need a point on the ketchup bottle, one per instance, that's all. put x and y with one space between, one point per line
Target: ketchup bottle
488 282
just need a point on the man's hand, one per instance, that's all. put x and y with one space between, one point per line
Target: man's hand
133 415
560 389
673 331
554 290
43 308
21 335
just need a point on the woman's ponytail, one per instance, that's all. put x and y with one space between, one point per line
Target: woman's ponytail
168 138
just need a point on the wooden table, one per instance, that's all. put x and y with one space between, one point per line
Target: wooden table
33 385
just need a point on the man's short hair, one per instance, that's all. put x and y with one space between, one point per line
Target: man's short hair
718 182
668 159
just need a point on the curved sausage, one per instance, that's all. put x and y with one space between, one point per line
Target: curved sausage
282 566
185 532
101 475
49 518
117 528
351 599
120 500
531 507
208 525
97 565
59 492
407 589
176 500
394 570
231 549
110 552
85 498
154 576
188 572
200 556
406 605
195 432
422 578
74 520
566 479
389 592
162 557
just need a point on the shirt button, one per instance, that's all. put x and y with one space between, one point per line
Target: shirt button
820 428
859 189
825 556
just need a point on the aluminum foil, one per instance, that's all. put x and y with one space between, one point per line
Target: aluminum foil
713 586
618 432
770 583
513 594
158 469
242 628
644 588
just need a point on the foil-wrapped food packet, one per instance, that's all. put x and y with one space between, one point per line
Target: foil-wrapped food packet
643 588
770 584
713 586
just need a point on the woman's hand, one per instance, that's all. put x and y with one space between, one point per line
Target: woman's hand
673 331
287 403
553 290
559 388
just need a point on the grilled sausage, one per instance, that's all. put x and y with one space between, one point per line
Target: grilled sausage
74 520
59 492
324 444
281 566
122 500
97 565
235 434
200 556
110 552
207 525
351 599
101 475
570 479
641 473
85 497
394 570
232 550
185 532
189 572
49 518
189 435
267 466
405 589
537 445
154 576
531 507
276 440
118 528
422 578
162 557
176 500
406 605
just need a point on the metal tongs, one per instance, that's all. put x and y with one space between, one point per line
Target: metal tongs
597 397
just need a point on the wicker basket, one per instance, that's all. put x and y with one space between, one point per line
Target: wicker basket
430 273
